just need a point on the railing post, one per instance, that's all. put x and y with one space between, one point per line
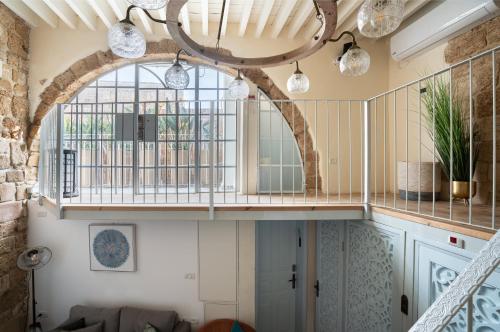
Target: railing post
59 159
211 162
470 311
366 158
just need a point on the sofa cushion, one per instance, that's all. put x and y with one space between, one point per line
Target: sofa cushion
92 315
135 320
150 328
99 327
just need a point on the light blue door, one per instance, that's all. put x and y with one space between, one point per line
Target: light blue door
277 276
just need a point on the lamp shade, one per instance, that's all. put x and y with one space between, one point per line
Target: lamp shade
355 62
126 41
177 77
148 4
34 258
238 88
377 18
298 83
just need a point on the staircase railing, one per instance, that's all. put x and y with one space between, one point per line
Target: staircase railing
461 291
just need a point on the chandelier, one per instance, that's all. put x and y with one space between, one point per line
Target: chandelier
375 19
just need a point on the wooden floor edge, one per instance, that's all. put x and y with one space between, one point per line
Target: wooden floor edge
469 230
225 208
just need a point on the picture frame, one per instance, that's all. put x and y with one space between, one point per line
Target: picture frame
112 247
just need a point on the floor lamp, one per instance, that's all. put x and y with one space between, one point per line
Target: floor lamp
30 260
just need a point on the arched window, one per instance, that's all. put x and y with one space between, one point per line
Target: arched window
280 162
138 139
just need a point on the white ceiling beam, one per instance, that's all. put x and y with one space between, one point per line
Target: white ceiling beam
245 16
103 11
312 28
186 24
225 17
162 14
204 17
263 17
146 23
21 10
300 19
119 8
282 17
346 9
83 10
44 12
65 13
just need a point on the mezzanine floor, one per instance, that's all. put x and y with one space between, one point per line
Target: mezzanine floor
481 215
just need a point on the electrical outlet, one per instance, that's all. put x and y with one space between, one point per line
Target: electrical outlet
190 276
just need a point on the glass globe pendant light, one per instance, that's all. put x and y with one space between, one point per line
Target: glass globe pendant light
148 4
126 41
298 82
355 62
176 77
377 18
238 88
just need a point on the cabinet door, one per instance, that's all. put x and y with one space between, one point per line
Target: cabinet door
437 268
374 277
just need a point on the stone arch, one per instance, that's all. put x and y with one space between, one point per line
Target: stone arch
65 85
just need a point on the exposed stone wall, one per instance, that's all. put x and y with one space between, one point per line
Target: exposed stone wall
82 72
15 175
470 43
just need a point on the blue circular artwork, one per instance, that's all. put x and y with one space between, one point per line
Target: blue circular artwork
111 248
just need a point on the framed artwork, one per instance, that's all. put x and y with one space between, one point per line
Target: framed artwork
112 247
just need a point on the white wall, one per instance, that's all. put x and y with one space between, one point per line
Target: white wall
166 252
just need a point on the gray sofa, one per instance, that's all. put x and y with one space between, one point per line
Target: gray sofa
128 319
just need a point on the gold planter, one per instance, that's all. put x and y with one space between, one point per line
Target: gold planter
461 190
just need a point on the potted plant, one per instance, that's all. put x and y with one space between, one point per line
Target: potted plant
449 128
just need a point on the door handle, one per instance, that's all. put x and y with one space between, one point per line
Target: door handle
293 280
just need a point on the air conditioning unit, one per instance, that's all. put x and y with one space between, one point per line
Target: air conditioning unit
444 21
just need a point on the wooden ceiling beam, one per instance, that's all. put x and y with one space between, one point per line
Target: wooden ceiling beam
23 11
204 17
43 11
84 12
186 24
63 11
245 17
263 17
282 17
303 14
225 17
104 12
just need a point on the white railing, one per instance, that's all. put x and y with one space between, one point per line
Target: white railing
375 152
224 152
461 291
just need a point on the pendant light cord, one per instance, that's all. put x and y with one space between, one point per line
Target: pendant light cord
220 24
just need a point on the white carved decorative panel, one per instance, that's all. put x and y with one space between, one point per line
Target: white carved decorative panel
437 269
374 278
486 301
330 260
